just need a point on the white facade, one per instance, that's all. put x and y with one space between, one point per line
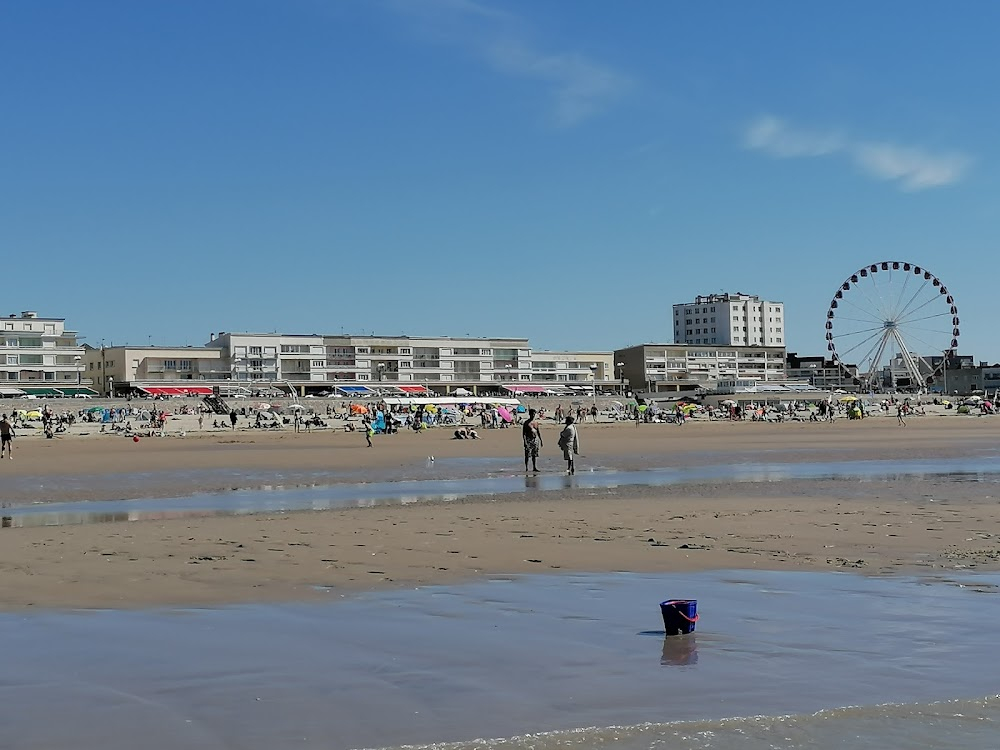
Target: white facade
121 367
657 367
730 320
317 360
38 351
572 367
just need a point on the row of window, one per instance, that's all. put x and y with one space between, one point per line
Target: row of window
48 327
687 311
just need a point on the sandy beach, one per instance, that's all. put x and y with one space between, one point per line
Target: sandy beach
879 526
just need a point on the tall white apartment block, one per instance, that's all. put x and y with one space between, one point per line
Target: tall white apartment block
730 320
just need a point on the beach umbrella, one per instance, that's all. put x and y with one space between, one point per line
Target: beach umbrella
505 415
619 404
521 410
295 406
96 408
34 414
643 407
946 403
727 402
848 399
263 407
358 409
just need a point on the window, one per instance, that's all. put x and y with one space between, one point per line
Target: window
687 332
184 365
319 363
712 309
11 359
362 350
485 352
713 331
170 364
404 350
29 342
256 351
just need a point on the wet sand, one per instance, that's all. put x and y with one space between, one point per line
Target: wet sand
585 654
878 527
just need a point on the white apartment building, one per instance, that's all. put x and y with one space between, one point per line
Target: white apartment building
317 362
572 367
730 320
681 367
40 357
171 370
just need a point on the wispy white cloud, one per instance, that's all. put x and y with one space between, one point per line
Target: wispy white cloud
778 139
909 168
912 168
579 87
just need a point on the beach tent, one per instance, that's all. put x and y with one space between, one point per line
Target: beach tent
505 415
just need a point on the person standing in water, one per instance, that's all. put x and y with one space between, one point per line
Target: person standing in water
569 441
532 437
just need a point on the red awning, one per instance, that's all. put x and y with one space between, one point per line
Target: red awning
188 390
412 388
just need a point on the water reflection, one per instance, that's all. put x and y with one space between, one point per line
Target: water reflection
280 498
679 650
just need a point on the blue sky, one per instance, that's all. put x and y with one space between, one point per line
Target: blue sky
563 171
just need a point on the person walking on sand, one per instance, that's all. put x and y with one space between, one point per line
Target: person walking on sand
899 416
6 438
532 437
232 418
569 441
369 431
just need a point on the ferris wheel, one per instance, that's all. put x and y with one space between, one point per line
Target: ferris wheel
895 322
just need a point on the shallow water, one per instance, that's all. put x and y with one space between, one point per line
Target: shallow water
477 477
775 658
